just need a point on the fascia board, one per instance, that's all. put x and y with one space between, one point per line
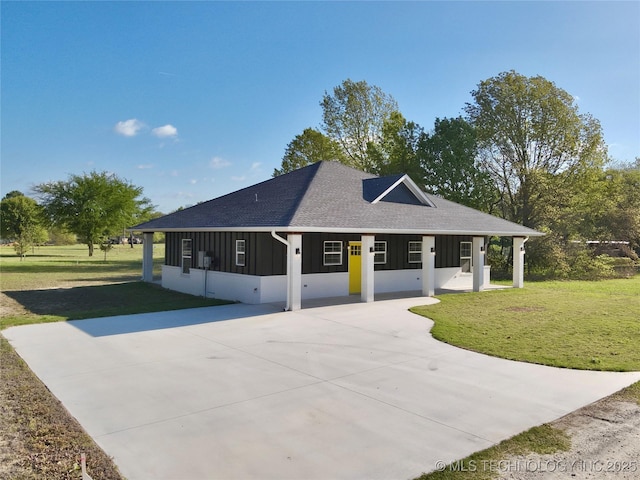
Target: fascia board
402 231
411 185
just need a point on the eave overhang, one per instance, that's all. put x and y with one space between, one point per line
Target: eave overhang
365 230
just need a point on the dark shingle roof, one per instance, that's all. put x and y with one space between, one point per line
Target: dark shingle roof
329 196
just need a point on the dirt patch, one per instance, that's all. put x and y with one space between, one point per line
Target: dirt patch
605 443
10 307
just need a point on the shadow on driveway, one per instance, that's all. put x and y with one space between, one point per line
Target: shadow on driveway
143 322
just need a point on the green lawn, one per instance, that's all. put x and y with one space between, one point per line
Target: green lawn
64 283
583 325
586 325
54 267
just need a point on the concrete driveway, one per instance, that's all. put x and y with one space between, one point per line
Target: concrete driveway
358 391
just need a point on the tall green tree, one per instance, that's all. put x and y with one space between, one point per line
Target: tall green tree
94 206
448 158
21 221
533 141
397 149
354 115
309 147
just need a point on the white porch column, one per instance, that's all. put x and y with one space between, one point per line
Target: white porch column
294 275
367 285
478 263
518 262
428 266
147 257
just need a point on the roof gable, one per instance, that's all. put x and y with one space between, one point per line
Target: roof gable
395 189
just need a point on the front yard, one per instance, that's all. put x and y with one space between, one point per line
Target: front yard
585 325
572 324
575 324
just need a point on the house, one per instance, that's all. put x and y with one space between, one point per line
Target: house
326 230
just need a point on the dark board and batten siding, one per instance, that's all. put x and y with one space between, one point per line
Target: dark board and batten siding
267 256
448 250
263 256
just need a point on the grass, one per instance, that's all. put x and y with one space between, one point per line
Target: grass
591 325
585 325
54 305
55 267
582 325
34 283
545 439
38 437
485 465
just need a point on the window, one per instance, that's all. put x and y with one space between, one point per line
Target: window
240 253
465 256
332 253
380 252
186 255
415 252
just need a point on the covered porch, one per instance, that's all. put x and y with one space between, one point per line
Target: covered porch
426 280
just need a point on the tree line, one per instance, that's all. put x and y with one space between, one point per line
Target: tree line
522 151
89 208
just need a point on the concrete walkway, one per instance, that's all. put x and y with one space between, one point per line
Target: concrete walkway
349 391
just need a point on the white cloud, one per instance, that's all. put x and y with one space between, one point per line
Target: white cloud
129 128
193 181
165 131
217 162
255 167
239 179
145 166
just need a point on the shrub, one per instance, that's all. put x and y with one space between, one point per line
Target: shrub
552 258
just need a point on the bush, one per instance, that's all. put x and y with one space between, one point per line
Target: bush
499 257
550 257
547 257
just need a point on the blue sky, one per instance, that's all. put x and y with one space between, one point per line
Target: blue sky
194 100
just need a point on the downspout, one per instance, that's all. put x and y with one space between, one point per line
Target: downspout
282 240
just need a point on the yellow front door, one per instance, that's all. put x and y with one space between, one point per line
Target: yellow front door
355 267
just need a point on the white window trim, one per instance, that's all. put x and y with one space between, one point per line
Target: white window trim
184 255
470 250
415 251
241 253
377 252
465 257
332 253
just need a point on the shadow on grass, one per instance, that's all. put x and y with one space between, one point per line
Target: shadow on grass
106 300
116 309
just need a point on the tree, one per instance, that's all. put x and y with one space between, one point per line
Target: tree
309 147
93 206
533 141
620 215
396 151
354 116
448 158
21 221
